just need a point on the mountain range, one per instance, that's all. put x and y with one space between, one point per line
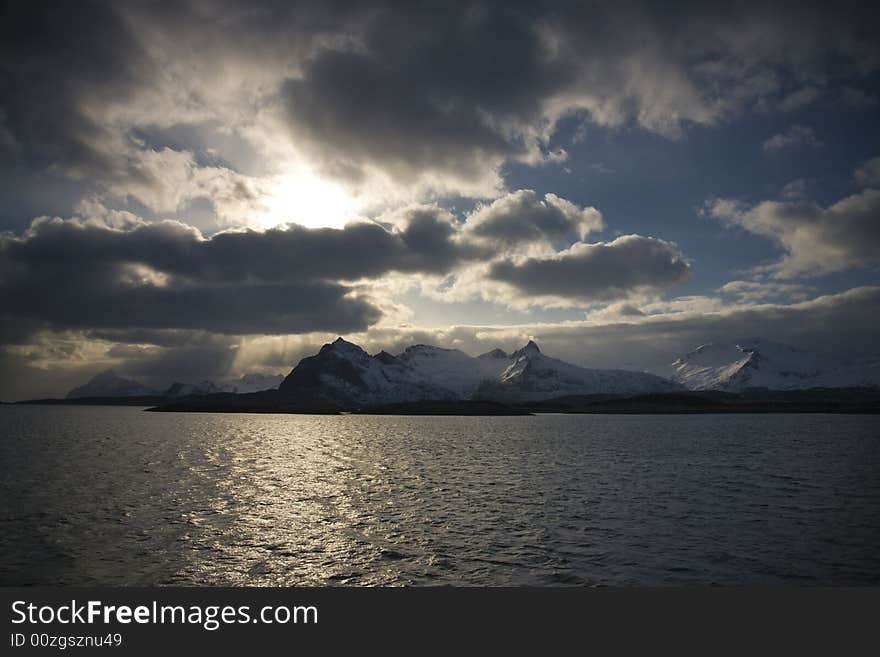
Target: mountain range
757 363
345 375
109 384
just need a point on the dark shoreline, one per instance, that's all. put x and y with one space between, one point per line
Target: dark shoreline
850 401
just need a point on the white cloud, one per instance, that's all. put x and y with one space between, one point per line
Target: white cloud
759 291
799 98
796 135
815 240
868 175
580 276
524 218
795 190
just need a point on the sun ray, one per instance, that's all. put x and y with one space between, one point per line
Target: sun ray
304 198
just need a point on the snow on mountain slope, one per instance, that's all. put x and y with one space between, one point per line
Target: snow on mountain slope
344 373
526 375
247 383
757 363
252 383
494 356
108 384
453 369
532 376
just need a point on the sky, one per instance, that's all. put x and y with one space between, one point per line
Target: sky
204 189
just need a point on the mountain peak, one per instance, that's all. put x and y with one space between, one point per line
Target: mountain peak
760 363
425 348
385 358
109 384
421 372
342 346
530 349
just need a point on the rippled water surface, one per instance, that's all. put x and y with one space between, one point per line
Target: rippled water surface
117 496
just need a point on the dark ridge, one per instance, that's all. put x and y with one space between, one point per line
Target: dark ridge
306 375
267 401
385 358
99 401
174 389
850 400
755 400
443 408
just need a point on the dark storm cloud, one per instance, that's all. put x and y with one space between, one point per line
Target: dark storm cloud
100 299
596 272
442 94
16 330
153 276
431 243
166 276
156 337
434 88
425 243
62 63
457 88
56 59
524 217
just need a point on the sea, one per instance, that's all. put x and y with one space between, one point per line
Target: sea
117 496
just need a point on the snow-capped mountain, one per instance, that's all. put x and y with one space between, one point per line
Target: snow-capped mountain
756 363
246 384
453 369
108 384
344 373
252 383
532 376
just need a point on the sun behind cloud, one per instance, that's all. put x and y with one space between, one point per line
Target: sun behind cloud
304 198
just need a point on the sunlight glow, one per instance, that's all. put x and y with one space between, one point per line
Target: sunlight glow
305 199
